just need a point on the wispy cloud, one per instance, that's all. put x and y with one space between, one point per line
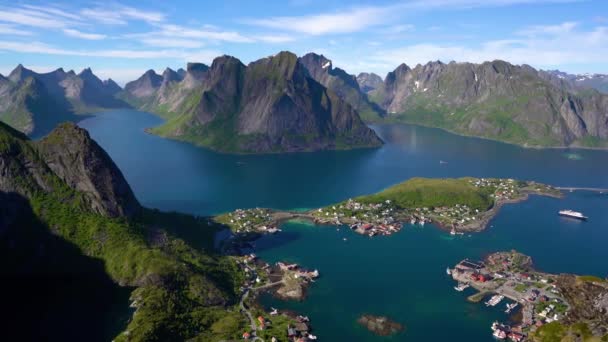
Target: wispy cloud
46 49
32 18
173 43
349 21
11 30
120 15
83 35
359 18
541 46
208 33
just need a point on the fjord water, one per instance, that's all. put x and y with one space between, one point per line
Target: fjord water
402 276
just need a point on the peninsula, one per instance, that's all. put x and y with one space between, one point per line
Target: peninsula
553 307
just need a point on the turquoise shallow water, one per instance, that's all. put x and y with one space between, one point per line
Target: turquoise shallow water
402 276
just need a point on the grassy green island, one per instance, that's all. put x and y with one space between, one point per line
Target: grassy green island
459 205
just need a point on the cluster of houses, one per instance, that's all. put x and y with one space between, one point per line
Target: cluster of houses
299 272
248 220
510 275
456 215
505 189
364 218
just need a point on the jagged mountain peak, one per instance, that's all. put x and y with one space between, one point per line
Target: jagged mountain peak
20 73
80 162
194 67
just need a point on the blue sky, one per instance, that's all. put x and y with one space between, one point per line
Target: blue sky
122 39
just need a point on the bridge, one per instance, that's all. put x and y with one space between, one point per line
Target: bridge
573 188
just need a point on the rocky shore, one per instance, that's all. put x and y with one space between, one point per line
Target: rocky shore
380 325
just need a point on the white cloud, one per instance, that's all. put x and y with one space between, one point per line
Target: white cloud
31 18
558 45
359 18
53 11
208 33
120 15
83 35
342 22
11 30
45 49
274 38
173 42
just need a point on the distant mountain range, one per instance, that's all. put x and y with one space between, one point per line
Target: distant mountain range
598 82
35 103
496 100
285 103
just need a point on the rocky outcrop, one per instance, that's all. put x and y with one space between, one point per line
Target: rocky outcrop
495 100
380 325
66 155
83 165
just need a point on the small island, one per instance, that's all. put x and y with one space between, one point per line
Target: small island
551 307
380 325
455 205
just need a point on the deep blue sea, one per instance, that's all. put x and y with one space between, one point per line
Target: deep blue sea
403 275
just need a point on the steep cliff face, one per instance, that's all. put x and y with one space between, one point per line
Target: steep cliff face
83 165
271 105
495 100
35 103
341 83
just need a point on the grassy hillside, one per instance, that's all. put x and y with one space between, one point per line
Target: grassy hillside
426 192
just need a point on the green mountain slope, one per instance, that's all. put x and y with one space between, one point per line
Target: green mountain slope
70 214
495 100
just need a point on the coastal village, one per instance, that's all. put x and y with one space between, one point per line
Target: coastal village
287 281
503 274
508 277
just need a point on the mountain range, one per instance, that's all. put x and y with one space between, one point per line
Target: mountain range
496 100
35 103
271 105
283 103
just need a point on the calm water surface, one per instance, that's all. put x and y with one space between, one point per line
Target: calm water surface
402 276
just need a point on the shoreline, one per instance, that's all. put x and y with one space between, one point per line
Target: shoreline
492 139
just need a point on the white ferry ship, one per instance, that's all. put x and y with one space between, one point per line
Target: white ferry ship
573 214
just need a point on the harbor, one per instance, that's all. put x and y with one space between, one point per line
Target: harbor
509 275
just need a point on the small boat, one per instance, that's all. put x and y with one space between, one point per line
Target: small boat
344 239
274 312
453 231
311 337
499 334
495 300
461 287
442 162
511 307
448 271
